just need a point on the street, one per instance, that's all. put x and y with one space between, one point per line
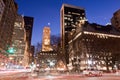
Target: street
23 75
81 77
14 75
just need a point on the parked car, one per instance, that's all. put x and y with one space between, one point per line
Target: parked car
92 72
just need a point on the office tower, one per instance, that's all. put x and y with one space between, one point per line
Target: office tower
7 23
8 12
2 6
18 41
28 25
71 18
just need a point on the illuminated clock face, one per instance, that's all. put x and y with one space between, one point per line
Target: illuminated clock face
47 42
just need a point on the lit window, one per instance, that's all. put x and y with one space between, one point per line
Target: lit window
69 12
71 19
65 24
68 18
65 17
83 14
86 39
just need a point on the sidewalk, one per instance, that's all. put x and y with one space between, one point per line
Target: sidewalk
7 71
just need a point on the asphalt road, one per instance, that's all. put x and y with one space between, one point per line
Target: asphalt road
33 76
80 77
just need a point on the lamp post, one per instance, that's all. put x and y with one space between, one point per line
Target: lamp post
51 64
89 63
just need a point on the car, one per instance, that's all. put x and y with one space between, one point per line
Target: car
36 69
27 67
92 72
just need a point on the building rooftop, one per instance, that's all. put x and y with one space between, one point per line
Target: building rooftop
108 29
72 6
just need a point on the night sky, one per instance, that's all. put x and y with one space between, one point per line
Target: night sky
48 11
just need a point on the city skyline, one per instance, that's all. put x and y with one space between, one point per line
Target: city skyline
48 12
60 39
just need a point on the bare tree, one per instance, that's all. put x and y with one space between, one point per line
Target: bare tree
55 41
38 47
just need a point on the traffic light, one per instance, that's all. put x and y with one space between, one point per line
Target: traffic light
11 50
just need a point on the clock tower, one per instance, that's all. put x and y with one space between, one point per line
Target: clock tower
46 39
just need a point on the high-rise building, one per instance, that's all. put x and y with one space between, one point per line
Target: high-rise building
71 18
116 19
28 25
47 58
18 41
7 23
87 45
8 12
46 39
2 6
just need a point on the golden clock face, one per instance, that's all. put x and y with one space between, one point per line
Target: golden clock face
47 42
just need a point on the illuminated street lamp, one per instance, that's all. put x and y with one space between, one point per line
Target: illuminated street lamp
89 62
20 62
10 58
52 64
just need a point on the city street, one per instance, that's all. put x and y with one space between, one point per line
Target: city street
81 77
14 75
23 75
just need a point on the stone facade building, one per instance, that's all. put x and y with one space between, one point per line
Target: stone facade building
18 41
87 44
8 13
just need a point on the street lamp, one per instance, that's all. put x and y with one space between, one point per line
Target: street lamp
89 62
10 58
52 64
